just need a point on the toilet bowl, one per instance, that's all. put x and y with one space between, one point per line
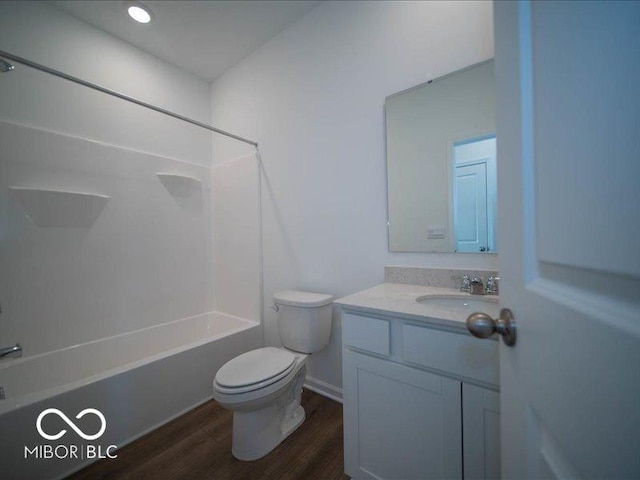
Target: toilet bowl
263 387
267 409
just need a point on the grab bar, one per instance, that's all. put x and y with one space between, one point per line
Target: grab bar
16 349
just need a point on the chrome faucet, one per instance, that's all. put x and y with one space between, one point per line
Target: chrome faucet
16 350
477 287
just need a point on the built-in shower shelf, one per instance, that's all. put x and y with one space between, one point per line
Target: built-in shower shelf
59 208
178 177
178 184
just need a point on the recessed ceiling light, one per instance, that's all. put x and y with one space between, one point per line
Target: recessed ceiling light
139 12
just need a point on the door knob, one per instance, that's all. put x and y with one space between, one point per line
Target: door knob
482 325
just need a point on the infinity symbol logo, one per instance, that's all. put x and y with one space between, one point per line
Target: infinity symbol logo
71 424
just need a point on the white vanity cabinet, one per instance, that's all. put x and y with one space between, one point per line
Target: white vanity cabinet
481 440
420 401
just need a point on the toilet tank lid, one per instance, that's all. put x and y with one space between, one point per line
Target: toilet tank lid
302 299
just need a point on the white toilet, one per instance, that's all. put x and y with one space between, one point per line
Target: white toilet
263 387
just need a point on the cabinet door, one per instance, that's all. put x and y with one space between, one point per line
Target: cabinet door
481 424
400 422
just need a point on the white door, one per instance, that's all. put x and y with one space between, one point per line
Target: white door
470 208
568 118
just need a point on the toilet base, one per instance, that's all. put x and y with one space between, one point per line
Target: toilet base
258 432
292 423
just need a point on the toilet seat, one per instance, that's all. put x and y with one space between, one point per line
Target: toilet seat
254 370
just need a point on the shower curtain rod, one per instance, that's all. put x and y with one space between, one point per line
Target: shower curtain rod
119 95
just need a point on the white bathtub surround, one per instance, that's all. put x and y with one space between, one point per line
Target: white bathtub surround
138 380
434 277
102 330
94 292
137 262
237 237
142 259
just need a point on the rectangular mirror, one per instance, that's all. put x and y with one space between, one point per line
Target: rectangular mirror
441 164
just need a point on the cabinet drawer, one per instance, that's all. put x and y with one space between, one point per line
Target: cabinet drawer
451 352
365 333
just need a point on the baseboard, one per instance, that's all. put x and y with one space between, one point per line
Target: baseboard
323 388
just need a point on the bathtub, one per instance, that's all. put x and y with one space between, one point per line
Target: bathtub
138 381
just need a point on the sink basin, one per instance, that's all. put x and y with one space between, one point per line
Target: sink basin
464 305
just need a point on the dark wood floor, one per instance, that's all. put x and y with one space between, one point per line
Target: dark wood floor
197 446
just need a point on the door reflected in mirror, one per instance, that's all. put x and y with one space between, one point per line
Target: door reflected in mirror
441 164
474 194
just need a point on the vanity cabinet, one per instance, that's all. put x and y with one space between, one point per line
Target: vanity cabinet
420 402
402 422
481 440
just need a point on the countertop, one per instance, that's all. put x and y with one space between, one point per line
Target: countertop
400 300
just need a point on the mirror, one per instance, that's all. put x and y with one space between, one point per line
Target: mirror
441 164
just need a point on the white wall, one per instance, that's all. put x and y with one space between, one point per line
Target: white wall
313 98
146 257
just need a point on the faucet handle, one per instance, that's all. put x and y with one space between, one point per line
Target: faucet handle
492 287
465 284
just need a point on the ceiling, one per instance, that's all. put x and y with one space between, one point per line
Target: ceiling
206 38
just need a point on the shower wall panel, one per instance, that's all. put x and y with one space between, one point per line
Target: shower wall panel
93 242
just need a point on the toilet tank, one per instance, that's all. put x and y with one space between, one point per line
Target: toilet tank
304 320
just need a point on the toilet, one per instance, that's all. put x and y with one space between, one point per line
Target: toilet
263 387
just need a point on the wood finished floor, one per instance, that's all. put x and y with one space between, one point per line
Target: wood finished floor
197 446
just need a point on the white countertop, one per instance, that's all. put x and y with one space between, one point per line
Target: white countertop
399 299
